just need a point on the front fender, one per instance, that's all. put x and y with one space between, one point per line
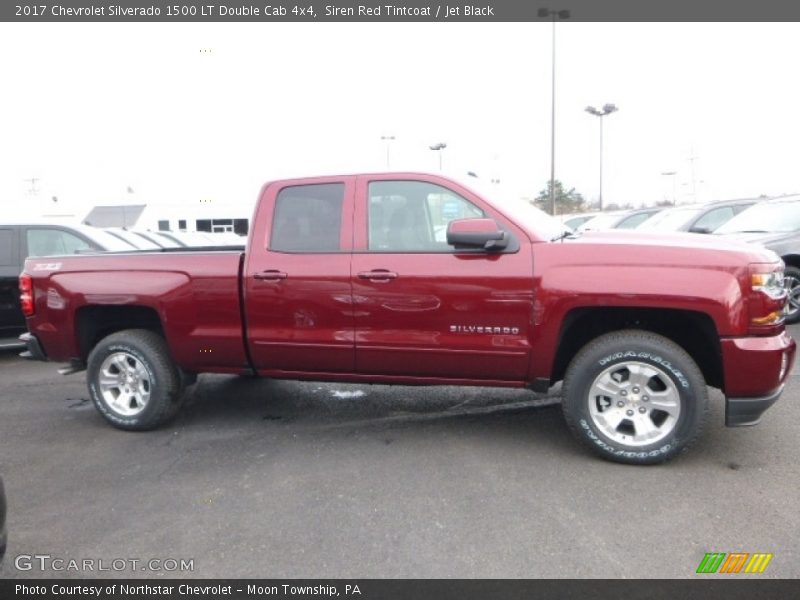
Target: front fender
561 290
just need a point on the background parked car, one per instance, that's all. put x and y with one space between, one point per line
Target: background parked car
697 218
155 240
578 219
774 224
620 219
3 534
132 238
193 239
20 240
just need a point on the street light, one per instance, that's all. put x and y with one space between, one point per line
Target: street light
439 148
606 110
672 174
554 14
388 139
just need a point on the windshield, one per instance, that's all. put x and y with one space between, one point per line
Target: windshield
576 222
133 240
536 222
107 241
766 216
160 240
672 219
607 221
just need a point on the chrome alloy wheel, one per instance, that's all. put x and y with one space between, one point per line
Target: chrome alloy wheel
124 384
634 403
792 285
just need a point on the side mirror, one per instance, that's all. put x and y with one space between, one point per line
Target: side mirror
700 230
476 234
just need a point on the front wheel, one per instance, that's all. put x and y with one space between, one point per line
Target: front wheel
133 381
634 397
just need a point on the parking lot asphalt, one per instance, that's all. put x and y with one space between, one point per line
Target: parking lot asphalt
275 479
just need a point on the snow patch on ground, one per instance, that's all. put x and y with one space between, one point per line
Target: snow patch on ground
343 394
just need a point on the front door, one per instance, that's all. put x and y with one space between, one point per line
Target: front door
423 309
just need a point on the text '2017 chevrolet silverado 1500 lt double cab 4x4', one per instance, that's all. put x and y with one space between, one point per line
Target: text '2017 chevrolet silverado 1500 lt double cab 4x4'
405 278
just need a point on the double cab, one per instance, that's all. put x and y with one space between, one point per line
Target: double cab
409 278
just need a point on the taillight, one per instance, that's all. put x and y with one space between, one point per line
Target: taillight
767 298
26 295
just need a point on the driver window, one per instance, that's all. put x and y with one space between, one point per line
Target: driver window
412 216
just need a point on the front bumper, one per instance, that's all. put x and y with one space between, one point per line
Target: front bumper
741 412
755 371
34 350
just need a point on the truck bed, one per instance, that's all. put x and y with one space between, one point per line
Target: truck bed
194 293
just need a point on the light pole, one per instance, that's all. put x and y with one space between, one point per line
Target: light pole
554 14
606 110
672 174
439 148
388 139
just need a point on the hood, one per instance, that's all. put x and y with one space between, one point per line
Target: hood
661 238
667 247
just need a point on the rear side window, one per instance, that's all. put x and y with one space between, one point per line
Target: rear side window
308 218
50 242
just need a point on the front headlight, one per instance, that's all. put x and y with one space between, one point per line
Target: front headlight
769 283
767 298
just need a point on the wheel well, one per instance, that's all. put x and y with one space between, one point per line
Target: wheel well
96 322
792 260
693 331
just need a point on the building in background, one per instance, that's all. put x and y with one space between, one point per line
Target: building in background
210 219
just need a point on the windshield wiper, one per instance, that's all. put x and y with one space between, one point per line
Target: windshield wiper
565 234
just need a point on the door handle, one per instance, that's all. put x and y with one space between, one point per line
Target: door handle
270 275
377 275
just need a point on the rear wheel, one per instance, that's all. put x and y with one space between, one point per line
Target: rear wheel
634 397
791 278
133 381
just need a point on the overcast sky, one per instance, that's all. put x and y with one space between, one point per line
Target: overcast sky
93 109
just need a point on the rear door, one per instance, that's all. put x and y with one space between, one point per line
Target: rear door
423 309
298 297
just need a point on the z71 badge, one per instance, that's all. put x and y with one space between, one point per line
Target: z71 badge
46 266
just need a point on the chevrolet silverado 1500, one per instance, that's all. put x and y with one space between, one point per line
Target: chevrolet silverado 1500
405 278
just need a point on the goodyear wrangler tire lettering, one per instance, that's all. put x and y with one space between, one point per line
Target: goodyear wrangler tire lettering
652 453
634 397
133 381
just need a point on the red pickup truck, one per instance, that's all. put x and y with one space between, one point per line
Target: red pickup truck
406 278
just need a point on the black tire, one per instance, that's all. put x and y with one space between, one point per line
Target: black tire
669 404
155 391
188 379
792 283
